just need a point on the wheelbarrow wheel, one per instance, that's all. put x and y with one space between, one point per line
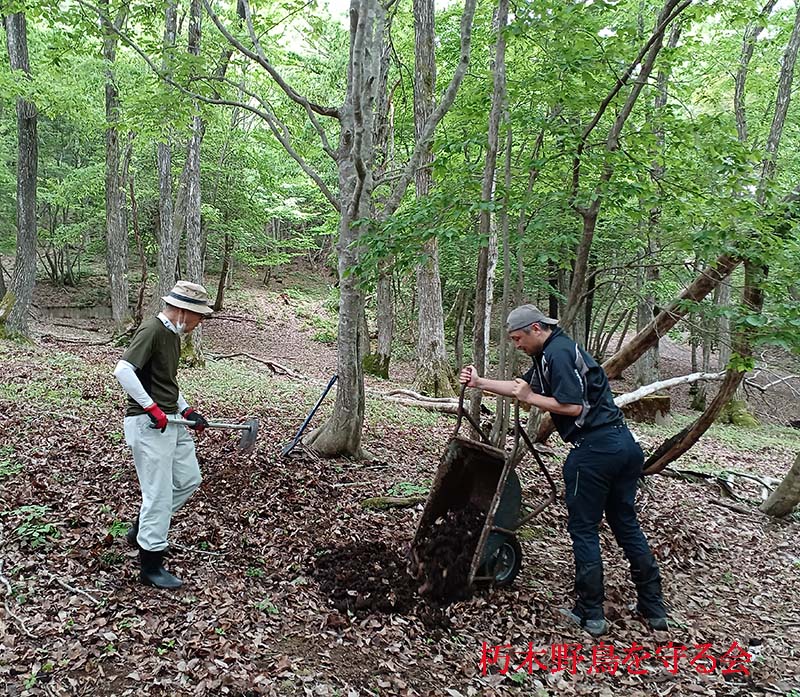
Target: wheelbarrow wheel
505 563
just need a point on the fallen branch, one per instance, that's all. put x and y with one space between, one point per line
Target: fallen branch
64 340
764 388
735 507
72 326
66 586
9 593
424 398
645 390
275 367
380 503
442 407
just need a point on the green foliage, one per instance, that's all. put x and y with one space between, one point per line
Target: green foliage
34 529
406 489
9 466
118 528
268 607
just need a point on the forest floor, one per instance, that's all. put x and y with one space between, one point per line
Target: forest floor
259 612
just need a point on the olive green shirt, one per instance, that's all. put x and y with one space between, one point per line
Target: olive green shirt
154 351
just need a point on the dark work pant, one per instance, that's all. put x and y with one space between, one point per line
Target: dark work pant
601 475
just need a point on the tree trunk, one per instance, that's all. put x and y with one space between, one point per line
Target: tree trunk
384 309
647 370
192 350
223 274
378 363
139 310
116 230
341 433
434 375
462 306
482 289
167 244
502 412
2 279
783 500
24 277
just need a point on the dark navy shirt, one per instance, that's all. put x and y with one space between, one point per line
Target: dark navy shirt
565 372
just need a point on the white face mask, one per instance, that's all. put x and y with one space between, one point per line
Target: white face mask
180 327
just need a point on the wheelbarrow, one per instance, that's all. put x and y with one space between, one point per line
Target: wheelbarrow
482 475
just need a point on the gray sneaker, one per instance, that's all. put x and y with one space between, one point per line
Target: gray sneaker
594 627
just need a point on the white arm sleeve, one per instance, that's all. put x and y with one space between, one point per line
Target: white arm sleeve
126 374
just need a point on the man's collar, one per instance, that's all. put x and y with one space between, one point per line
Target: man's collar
165 321
553 333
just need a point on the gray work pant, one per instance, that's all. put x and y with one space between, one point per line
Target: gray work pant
168 473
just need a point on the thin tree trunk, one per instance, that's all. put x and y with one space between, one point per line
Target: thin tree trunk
378 363
192 350
482 289
116 231
505 348
462 306
167 244
223 274
384 309
20 295
648 365
139 310
2 279
433 375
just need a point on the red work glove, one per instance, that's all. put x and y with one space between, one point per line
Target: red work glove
158 417
200 422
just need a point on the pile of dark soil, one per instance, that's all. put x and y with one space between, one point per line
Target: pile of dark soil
445 552
364 578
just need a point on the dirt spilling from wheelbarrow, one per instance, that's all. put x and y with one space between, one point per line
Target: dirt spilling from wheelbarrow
370 578
445 552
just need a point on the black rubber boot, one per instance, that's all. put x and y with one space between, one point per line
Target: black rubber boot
588 610
647 577
133 531
153 573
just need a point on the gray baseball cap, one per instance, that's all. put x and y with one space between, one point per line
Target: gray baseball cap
525 315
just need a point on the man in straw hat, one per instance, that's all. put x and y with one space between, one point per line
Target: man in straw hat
164 456
602 470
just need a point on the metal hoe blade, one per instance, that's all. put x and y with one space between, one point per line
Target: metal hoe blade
248 440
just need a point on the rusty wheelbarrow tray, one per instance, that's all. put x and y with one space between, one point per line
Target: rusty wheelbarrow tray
478 473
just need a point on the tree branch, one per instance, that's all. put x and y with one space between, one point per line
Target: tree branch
261 59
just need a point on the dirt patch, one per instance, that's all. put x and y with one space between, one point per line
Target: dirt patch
363 578
367 578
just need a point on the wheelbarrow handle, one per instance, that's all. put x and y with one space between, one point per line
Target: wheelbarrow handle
211 424
462 413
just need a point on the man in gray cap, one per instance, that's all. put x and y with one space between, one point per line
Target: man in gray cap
602 470
165 459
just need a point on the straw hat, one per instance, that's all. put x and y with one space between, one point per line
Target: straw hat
189 296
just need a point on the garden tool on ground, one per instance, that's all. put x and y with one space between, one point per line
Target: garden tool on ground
292 443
